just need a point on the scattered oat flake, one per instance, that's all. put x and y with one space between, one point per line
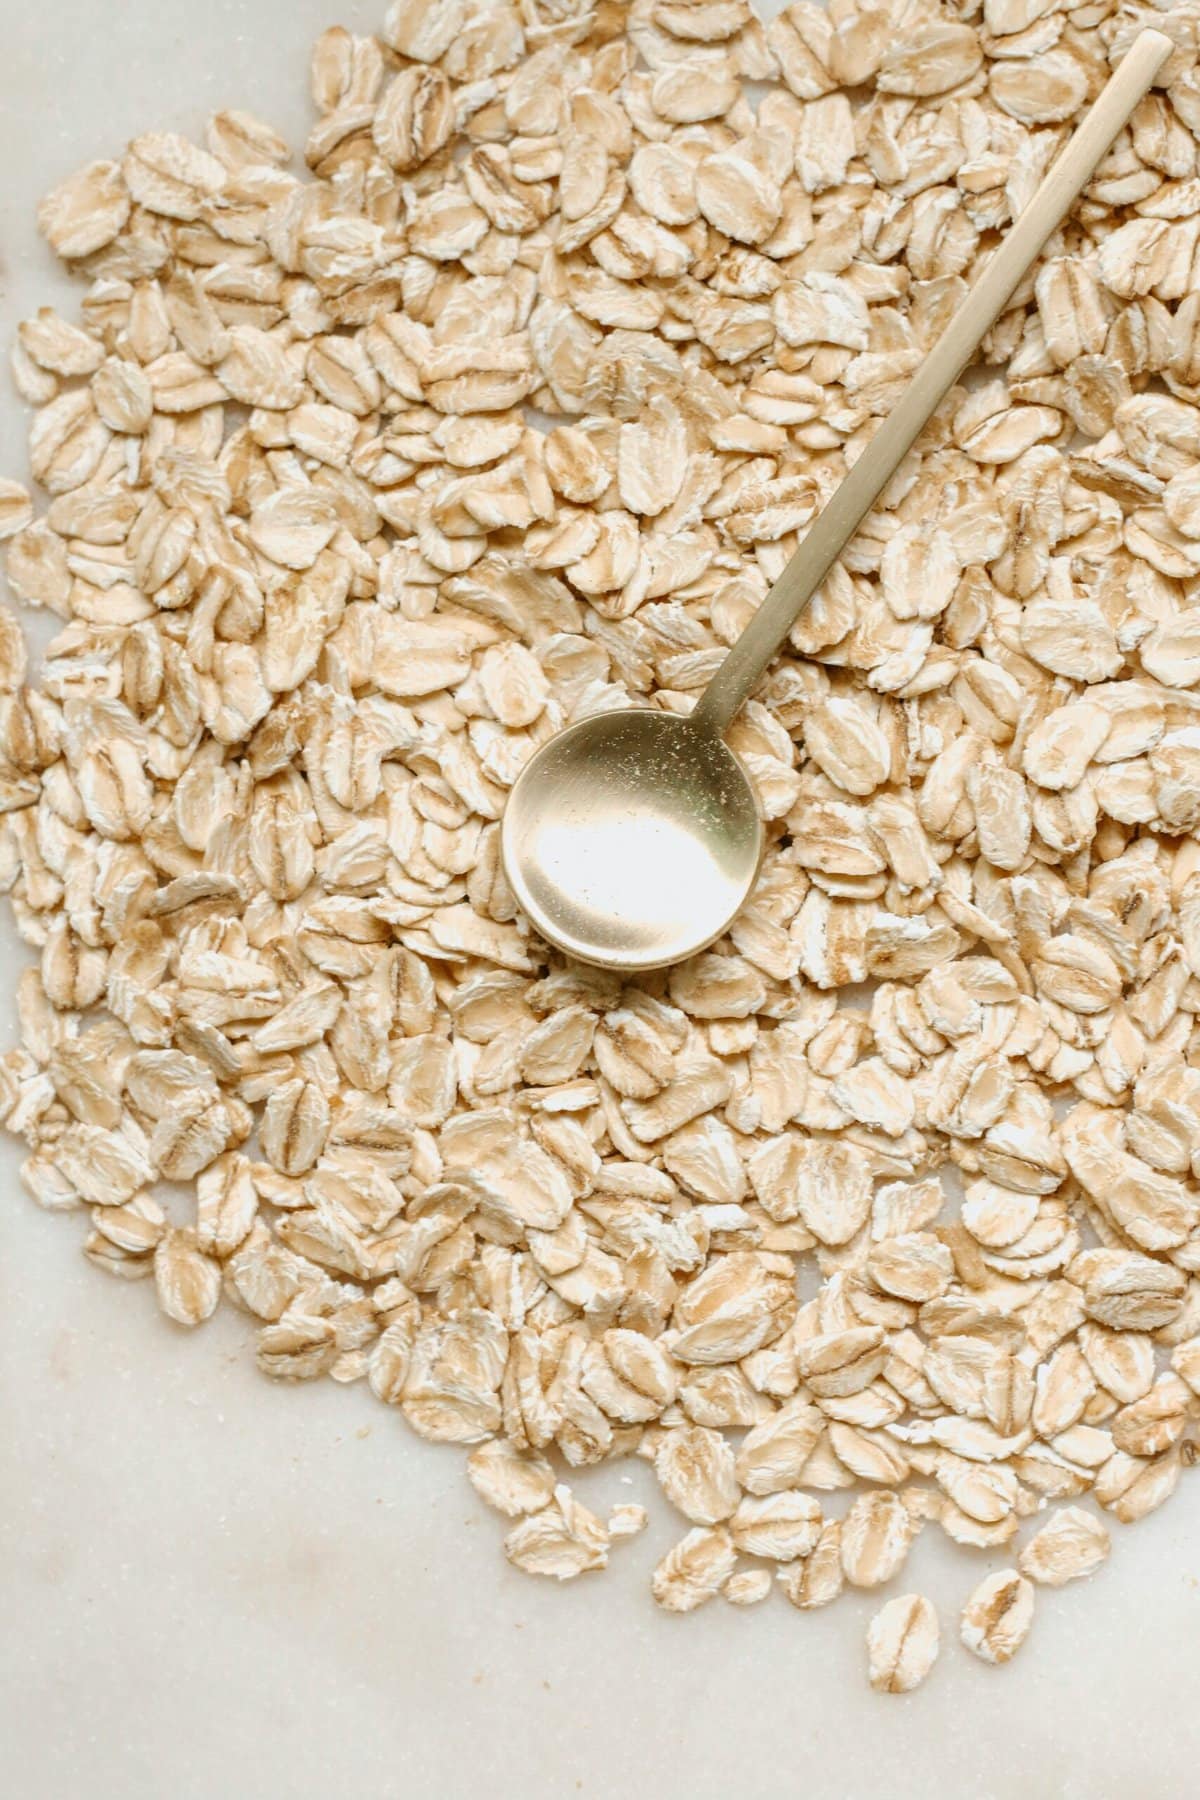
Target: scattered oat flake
627 1520
997 1617
694 1570
747 1587
564 1539
902 1644
1069 1546
16 508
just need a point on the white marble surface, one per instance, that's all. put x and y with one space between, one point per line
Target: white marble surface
212 1588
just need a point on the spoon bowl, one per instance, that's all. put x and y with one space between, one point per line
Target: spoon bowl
632 839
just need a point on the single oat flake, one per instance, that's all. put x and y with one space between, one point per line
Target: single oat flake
357 474
997 1617
902 1644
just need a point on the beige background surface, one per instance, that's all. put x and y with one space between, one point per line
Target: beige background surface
211 1586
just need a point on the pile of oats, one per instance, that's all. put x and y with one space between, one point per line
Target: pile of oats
361 483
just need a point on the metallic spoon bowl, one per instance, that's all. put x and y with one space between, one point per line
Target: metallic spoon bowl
639 838
633 838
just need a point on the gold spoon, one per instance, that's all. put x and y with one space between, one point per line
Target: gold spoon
633 838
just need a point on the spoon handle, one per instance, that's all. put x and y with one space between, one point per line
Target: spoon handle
847 507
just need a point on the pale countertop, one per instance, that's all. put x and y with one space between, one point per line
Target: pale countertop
216 1588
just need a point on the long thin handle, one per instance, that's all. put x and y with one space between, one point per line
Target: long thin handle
848 506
